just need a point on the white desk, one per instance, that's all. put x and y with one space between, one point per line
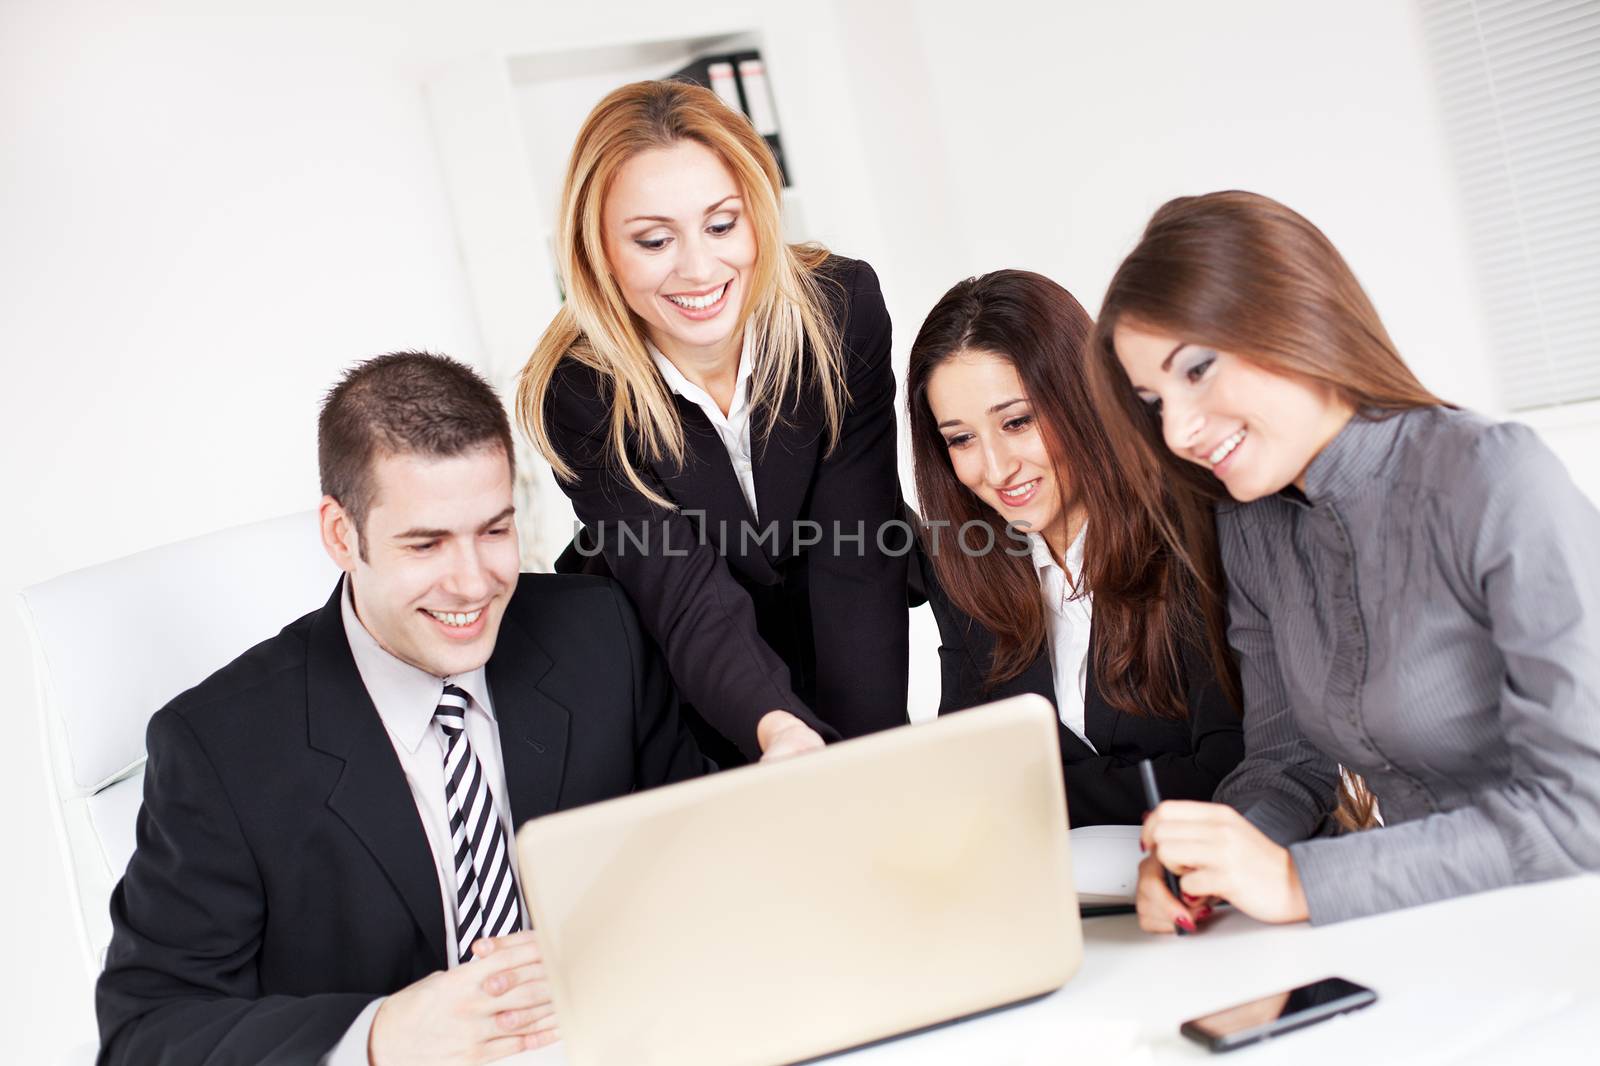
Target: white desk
1504 977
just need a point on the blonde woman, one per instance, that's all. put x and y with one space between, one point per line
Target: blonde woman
718 404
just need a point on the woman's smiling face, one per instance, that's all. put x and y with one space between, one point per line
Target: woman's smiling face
996 449
680 248
1256 430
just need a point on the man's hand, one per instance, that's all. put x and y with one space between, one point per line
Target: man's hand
538 1020
782 735
1215 852
496 1005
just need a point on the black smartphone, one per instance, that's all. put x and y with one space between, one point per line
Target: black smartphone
1270 1015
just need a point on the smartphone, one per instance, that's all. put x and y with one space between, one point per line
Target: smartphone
1270 1015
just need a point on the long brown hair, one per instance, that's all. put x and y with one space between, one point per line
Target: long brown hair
1243 273
1146 605
786 310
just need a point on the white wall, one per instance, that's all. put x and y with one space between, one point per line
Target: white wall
1059 143
209 209
205 218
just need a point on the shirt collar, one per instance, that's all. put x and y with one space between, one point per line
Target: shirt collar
405 696
694 393
1355 455
1043 558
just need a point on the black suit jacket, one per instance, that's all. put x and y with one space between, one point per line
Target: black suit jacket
1191 757
751 624
282 879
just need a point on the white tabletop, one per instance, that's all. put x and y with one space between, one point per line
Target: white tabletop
1485 980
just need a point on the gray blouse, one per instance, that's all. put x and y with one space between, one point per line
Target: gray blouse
1431 620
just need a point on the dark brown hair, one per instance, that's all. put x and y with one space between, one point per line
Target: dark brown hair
398 404
1243 273
1146 606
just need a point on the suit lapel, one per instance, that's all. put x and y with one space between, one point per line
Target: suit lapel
707 483
371 796
1100 719
1039 678
785 461
533 724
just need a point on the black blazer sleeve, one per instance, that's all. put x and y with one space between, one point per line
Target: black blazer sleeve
664 749
1105 789
860 621
180 982
689 602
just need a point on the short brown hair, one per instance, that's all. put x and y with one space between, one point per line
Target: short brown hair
402 403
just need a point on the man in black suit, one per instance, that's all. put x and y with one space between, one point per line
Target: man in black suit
325 865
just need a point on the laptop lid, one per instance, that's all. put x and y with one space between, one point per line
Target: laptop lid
770 914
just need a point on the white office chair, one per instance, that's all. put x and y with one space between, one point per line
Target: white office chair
115 642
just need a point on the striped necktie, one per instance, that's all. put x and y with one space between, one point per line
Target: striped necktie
486 893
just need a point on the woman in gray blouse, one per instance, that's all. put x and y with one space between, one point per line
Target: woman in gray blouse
1414 592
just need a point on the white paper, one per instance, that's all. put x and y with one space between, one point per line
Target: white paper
1105 863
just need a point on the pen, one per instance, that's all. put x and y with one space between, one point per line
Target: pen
1152 798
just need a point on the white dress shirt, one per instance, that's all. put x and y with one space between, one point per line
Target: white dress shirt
406 698
733 427
1067 618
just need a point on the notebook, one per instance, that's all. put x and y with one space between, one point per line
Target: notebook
1105 864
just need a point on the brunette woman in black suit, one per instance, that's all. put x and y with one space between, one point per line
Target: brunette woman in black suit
719 406
1044 572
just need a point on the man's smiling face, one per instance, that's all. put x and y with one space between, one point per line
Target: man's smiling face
441 559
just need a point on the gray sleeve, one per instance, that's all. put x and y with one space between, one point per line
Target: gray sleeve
1526 543
1285 786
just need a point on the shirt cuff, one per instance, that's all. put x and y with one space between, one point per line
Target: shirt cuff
351 1050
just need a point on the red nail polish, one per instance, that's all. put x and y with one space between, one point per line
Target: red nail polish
1142 848
1203 913
1185 923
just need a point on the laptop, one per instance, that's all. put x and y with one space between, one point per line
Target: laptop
776 913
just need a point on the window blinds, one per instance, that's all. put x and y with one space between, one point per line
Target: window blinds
1519 88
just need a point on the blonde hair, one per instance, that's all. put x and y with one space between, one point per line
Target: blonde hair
791 333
